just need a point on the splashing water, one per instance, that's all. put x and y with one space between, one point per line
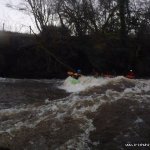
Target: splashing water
86 83
60 120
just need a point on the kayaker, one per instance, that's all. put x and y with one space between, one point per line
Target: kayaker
79 71
75 75
130 74
70 73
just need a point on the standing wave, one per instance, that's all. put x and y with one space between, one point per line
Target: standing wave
77 121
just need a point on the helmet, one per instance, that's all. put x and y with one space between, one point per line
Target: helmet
78 71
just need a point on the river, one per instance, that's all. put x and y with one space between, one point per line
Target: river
94 114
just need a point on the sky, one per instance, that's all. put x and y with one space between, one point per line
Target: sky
14 20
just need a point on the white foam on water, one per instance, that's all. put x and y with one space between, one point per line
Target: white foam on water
80 142
138 120
8 80
75 106
55 110
59 107
139 92
11 111
2 79
143 85
86 82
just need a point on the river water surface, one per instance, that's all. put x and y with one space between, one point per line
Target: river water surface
95 114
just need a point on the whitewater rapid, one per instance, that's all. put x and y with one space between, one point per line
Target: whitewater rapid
63 118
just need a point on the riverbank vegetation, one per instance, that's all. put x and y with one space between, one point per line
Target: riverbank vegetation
109 36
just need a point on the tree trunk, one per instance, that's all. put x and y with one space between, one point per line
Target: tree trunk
122 12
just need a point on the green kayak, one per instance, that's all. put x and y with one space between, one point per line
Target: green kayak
74 81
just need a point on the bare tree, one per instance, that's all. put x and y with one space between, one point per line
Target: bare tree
42 11
78 15
89 16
